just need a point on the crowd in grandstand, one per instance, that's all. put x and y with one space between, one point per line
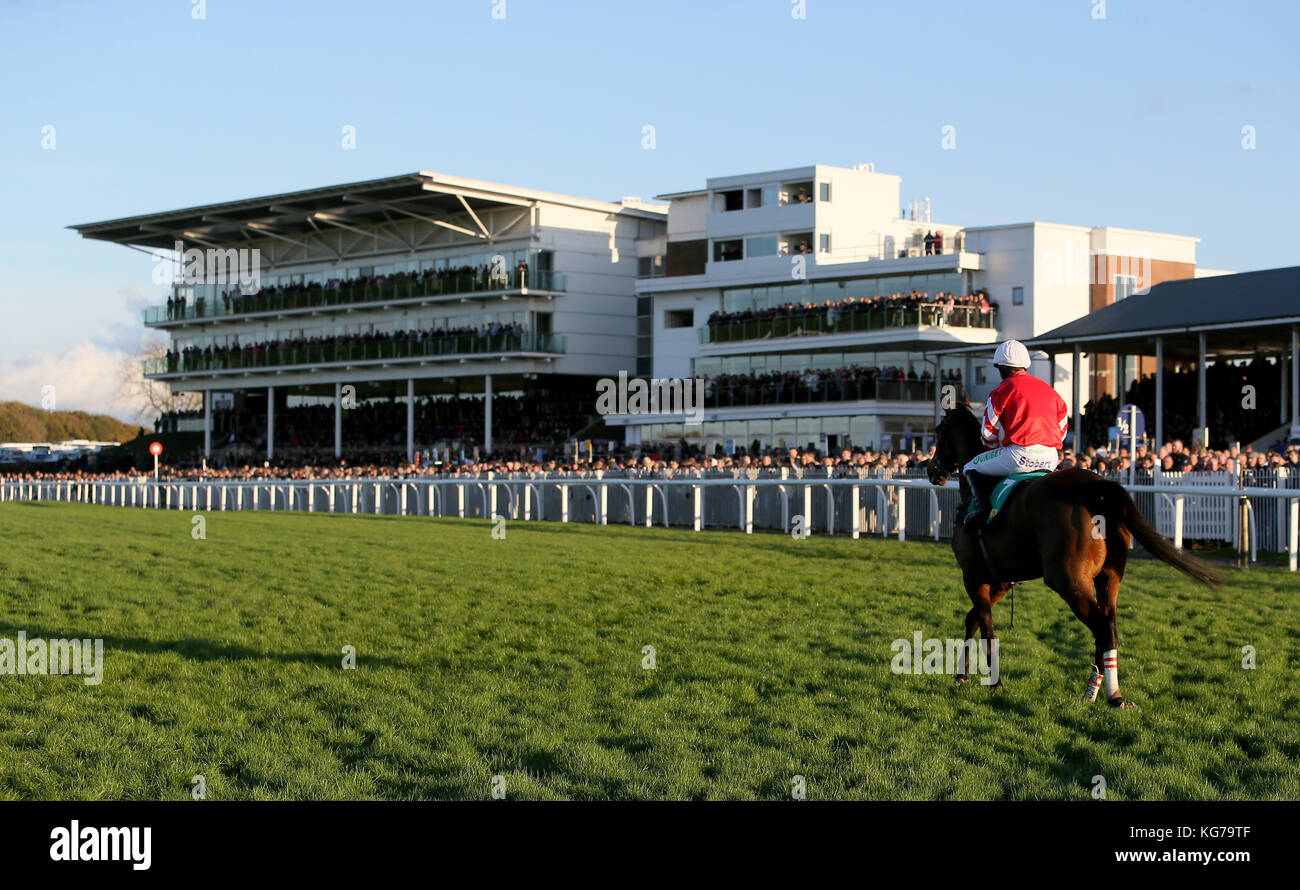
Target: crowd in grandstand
937 309
846 383
243 299
250 351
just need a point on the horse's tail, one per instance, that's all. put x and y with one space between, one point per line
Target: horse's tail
1114 502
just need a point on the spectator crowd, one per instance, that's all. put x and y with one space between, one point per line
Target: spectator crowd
973 310
201 358
236 300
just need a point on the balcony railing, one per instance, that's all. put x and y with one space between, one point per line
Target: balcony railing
336 353
924 315
718 394
317 297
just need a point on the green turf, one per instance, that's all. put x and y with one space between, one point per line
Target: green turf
523 657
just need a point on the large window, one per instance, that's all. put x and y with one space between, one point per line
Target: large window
679 318
1125 287
1017 296
763 245
725 202
727 251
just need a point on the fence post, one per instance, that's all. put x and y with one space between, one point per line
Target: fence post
1294 534
604 503
750 492
564 503
855 506
697 501
1178 521
902 513
649 505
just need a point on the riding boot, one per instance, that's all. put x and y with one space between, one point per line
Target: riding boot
977 509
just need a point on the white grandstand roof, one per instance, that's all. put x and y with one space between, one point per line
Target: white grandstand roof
449 201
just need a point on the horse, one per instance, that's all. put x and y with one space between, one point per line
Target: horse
1072 528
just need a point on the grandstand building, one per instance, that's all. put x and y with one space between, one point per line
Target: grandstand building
821 311
710 289
410 288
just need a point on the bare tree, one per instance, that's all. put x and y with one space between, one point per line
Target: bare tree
146 398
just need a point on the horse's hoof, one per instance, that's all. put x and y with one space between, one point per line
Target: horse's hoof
1119 702
960 678
998 687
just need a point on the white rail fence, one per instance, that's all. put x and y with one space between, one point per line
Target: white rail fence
847 506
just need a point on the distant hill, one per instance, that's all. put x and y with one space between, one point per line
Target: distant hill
24 423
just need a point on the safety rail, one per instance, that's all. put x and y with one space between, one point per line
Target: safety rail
894 507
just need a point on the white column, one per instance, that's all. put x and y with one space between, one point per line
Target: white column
1295 376
207 423
270 422
1075 405
1200 379
410 420
338 421
1160 394
487 414
1285 375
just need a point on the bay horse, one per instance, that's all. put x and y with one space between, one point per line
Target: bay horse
1072 528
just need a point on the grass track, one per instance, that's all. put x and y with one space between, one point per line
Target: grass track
522 657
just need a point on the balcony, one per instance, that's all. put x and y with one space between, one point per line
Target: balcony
312 355
719 393
307 299
922 315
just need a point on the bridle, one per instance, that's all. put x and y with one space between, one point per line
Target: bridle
939 473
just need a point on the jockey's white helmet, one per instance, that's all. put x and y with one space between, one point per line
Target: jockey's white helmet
1011 353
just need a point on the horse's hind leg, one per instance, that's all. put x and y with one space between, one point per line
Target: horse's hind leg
1107 632
1086 608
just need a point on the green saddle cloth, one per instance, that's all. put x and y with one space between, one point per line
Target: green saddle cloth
1003 490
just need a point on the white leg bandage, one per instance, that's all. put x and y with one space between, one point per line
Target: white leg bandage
1110 667
1094 685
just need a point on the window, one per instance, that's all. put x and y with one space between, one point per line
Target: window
679 318
824 191
727 251
650 267
1017 296
764 245
725 202
1125 286
824 242
796 193
753 198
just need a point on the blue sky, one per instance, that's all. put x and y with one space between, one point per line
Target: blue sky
1133 120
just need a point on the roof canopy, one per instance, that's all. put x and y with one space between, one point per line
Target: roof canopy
446 201
1243 314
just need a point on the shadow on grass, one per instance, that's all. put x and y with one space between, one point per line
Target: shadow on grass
197 649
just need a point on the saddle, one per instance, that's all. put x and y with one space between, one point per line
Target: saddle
1003 490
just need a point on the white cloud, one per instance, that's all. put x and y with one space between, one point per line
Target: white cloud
87 377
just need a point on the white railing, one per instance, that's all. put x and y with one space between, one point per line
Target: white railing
852 506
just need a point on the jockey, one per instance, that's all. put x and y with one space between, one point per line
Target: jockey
1024 426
